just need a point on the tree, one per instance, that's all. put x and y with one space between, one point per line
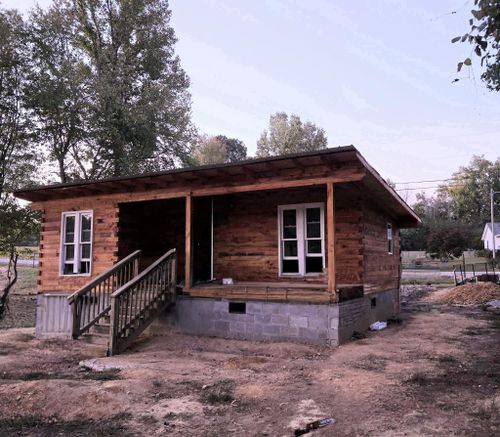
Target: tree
208 151
236 149
484 35
57 91
16 224
16 154
141 104
287 134
211 150
469 193
448 240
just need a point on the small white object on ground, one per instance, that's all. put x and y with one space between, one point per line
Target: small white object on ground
227 281
494 303
378 326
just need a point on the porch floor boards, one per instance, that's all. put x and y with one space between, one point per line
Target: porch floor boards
268 291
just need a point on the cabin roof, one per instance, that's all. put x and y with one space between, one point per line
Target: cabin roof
333 157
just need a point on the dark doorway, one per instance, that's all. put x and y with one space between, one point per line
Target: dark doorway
202 239
154 227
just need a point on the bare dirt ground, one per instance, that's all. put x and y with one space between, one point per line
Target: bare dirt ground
436 373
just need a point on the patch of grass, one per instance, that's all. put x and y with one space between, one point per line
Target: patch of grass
45 427
370 362
475 330
105 375
418 378
446 359
487 411
221 392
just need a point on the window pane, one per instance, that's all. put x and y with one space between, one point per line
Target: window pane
389 246
85 236
313 215
313 230
289 217
289 232
69 229
314 264
68 269
85 267
314 246
86 222
290 248
290 266
85 251
69 252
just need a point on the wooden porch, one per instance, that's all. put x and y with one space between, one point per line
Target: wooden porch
275 291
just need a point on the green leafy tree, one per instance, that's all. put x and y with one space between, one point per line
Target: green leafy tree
288 134
448 240
57 92
16 153
217 150
236 149
140 102
469 193
484 35
16 225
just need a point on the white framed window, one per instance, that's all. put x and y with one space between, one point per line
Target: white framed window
389 239
301 239
76 243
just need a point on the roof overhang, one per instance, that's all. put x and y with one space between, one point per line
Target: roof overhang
339 165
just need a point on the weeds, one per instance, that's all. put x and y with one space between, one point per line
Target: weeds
221 392
43 426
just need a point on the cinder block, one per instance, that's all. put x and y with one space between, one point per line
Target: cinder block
253 329
289 331
254 307
271 330
270 308
237 327
220 305
308 334
262 318
221 326
279 319
299 321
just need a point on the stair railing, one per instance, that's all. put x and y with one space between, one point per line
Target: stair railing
135 305
92 302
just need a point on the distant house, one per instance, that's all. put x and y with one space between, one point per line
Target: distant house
301 247
487 236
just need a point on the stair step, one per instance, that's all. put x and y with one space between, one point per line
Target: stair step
100 328
95 338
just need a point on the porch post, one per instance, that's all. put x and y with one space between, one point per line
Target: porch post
188 260
330 243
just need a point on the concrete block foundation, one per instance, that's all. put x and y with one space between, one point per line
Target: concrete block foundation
330 324
278 321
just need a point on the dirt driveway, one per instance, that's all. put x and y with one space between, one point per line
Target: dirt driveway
437 373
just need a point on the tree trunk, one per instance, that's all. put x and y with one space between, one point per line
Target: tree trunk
11 280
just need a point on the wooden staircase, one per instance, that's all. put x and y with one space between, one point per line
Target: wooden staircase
116 307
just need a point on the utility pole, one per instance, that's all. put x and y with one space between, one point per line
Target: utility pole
493 220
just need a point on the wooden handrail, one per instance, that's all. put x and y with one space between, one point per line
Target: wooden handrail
143 274
138 302
98 279
93 301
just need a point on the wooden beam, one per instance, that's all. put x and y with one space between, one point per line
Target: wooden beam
330 230
188 260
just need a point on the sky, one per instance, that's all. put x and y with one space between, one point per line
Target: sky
377 75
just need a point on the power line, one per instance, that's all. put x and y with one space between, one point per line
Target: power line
429 188
422 182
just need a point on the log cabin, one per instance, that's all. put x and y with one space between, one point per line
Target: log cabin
302 247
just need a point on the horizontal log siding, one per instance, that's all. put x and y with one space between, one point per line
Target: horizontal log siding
382 270
246 236
104 244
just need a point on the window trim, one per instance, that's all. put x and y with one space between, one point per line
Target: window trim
301 239
390 239
77 241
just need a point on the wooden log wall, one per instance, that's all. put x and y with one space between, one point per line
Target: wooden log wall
246 235
104 244
381 269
